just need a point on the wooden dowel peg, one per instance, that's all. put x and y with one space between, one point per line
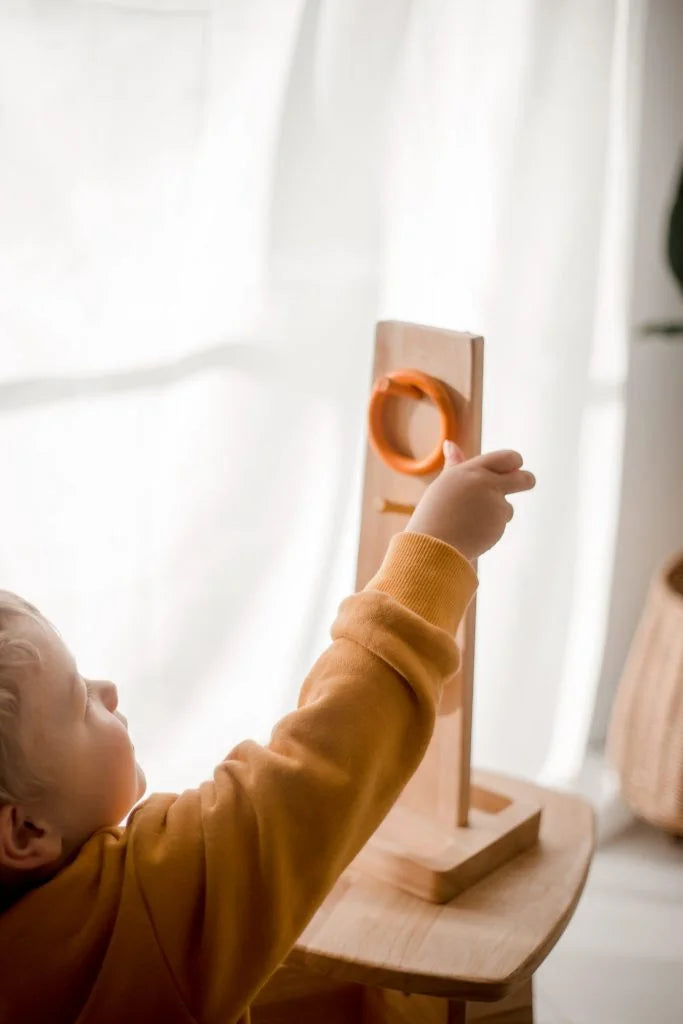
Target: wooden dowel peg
385 505
387 386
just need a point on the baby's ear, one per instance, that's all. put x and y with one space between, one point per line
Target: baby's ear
452 454
25 844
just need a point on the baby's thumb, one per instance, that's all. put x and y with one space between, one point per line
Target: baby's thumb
452 454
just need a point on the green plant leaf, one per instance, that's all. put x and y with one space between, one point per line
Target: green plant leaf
668 330
674 243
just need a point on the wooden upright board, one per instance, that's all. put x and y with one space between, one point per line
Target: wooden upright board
437 789
457 833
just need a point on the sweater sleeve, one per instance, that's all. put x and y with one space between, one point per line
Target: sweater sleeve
230 873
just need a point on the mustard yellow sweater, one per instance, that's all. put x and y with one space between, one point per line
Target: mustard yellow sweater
183 915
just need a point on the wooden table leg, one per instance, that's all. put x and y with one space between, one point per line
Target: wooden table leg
517 1008
296 997
386 1006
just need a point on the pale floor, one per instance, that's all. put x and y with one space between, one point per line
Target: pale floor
620 961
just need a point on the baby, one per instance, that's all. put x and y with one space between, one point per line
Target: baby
184 913
67 764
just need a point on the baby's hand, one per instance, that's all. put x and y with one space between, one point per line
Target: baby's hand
465 506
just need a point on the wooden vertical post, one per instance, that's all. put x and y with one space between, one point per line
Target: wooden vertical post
441 835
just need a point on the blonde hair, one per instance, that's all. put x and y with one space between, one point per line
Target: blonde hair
18 784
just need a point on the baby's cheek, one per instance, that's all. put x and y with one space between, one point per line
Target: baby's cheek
114 755
125 752
122 776
141 780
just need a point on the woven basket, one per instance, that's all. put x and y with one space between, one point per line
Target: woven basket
645 741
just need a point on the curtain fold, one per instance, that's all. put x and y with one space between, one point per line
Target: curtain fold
510 212
206 207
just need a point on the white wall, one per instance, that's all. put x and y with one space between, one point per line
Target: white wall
651 520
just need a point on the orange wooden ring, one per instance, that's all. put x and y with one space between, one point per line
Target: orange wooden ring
412 384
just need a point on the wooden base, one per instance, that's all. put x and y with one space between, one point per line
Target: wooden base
374 955
430 860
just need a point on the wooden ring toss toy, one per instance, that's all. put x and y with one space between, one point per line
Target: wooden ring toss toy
410 384
371 952
443 834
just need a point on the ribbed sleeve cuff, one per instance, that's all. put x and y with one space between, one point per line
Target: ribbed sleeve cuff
428 576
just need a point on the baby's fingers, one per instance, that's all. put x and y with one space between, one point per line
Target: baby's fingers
520 480
505 461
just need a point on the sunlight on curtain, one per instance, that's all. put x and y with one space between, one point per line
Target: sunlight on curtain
182 427
509 213
138 143
206 206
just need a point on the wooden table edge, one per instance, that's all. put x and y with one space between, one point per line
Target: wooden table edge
339 969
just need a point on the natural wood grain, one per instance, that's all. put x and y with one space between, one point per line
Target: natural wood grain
487 940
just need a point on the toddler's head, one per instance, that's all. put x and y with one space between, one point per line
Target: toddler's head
67 765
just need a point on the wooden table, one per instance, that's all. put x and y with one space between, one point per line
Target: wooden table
375 955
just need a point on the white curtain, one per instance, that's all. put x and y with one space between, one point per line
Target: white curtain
205 208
